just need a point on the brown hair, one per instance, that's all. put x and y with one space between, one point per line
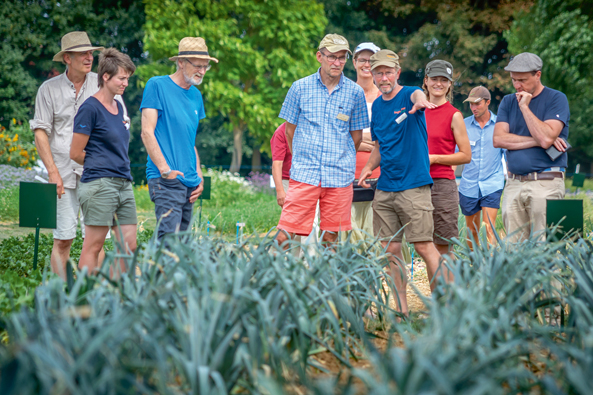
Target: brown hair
448 96
110 61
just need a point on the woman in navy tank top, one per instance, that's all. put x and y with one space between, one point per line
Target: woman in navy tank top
446 130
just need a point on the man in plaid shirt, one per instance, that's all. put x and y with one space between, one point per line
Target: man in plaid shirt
325 114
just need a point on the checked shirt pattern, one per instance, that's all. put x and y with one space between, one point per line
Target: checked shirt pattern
322 147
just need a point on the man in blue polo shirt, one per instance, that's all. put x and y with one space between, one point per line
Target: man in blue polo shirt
172 108
402 202
482 180
529 122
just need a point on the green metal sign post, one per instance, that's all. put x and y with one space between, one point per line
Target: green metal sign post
37 209
205 193
566 212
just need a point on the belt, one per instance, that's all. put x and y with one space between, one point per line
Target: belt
545 175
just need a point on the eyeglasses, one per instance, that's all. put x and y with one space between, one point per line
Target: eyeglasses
363 61
333 58
199 67
388 74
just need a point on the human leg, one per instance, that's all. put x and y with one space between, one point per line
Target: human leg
169 198
433 260
489 219
128 242
65 232
514 213
445 200
298 211
538 192
399 274
473 226
92 245
335 210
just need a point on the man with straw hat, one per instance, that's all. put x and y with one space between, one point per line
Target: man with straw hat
172 108
325 114
57 102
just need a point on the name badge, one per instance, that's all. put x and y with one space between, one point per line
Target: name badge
472 143
343 117
401 118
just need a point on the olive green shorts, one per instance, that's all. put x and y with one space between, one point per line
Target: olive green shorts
104 199
407 212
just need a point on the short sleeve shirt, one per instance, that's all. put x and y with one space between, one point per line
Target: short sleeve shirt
484 174
280 151
179 113
403 146
549 104
323 151
109 140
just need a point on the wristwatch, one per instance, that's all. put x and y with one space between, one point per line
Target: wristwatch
165 174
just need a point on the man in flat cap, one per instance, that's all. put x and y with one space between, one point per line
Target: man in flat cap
172 108
325 114
57 102
402 202
482 180
531 121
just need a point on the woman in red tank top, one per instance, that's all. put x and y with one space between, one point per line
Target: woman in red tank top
446 130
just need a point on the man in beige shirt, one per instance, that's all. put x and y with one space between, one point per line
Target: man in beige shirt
57 102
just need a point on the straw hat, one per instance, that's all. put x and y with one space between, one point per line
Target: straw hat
193 47
75 42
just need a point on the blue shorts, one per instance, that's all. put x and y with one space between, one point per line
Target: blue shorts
470 206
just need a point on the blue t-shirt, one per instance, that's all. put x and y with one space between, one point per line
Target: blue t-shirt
109 139
180 111
404 146
549 104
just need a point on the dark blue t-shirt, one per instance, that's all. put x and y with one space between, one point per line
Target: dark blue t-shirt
549 104
109 139
404 146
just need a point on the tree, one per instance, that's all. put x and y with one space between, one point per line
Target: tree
468 33
31 32
561 33
263 46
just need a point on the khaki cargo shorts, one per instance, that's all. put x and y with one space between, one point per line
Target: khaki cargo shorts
105 197
409 212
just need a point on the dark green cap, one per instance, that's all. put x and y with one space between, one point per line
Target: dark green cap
439 68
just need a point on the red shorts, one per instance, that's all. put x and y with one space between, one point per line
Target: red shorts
298 212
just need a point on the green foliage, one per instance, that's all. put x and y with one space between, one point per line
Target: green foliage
17 147
561 33
31 33
202 317
262 46
9 204
17 291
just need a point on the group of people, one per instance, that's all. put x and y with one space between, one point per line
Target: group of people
404 142
396 146
82 135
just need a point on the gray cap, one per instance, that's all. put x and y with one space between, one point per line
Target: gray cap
439 68
524 63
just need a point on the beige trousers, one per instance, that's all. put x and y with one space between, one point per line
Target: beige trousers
524 206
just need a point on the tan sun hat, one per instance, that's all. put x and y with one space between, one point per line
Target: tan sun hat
75 42
334 43
384 57
193 47
477 94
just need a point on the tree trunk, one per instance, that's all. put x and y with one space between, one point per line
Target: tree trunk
237 149
256 158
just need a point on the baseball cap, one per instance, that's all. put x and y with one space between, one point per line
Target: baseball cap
524 63
439 68
384 57
366 47
477 94
334 43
